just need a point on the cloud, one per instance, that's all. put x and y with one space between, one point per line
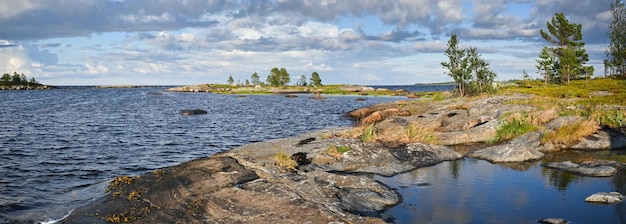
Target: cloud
201 40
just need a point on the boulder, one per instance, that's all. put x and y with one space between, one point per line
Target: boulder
605 198
611 139
552 221
373 158
594 168
367 88
193 112
523 148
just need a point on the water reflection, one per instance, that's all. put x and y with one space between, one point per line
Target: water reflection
476 191
559 179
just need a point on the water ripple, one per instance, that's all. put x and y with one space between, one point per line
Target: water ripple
59 148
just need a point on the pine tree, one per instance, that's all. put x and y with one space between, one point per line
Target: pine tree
230 80
615 62
569 49
315 80
256 80
545 65
468 69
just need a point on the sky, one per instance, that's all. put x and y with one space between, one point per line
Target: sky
365 42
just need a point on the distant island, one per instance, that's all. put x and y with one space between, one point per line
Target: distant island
19 82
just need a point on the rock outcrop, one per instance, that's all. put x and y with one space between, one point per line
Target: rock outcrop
245 185
326 185
523 148
605 198
193 112
594 168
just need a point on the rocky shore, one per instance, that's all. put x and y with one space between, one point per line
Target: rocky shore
325 176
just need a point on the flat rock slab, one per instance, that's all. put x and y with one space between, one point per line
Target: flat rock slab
595 168
524 148
371 158
605 197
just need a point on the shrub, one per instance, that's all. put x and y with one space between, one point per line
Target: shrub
285 161
337 151
368 133
609 118
516 124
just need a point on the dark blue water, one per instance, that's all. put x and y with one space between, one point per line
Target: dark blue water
60 147
476 191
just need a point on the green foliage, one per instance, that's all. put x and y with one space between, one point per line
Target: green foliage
610 118
315 80
343 149
368 133
278 77
568 51
615 62
17 80
301 81
512 127
468 69
230 80
255 79
545 65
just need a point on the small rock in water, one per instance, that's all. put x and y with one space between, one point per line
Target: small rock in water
193 112
605 197
552 221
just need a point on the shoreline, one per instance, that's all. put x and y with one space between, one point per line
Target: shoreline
258 182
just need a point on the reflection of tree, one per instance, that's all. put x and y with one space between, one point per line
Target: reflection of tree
455 168
559 179
619 181
521 166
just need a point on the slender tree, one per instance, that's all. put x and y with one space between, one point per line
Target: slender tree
457 64
545 65
569 49
16 79
256 80
315 80
615 62
6 79
230 80
284 77
301 81
468 69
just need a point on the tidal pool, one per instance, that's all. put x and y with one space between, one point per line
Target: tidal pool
477 191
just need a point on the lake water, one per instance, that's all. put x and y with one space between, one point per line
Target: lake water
59 148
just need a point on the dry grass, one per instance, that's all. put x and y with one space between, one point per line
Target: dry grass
569 135
285 161
397 134
536 118
337 151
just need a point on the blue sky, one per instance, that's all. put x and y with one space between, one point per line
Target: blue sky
369 42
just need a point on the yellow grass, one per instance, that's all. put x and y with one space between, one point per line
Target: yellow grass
569 135
285 161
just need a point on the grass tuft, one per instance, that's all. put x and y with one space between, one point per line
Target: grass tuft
569 135
285 161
